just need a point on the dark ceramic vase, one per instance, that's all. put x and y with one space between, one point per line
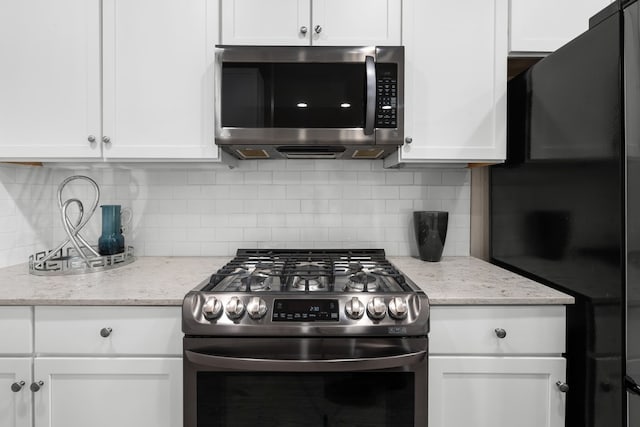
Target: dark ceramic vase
431 232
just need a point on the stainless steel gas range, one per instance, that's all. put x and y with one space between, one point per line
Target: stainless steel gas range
306 338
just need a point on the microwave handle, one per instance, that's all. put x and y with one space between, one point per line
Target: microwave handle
370 114
281 365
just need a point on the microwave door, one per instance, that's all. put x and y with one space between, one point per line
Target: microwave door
297 102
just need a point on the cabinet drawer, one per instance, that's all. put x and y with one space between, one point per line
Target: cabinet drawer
472 330
129 330
16 330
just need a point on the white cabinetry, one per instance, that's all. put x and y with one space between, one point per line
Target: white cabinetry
305 22
49 78
16 337
545 25
456 82
98 366
477 378
151 100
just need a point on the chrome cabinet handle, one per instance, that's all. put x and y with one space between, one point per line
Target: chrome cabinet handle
408 140
317 29
17 386
303 30
500 333
105 332
36 386
562 386
91 138
106 139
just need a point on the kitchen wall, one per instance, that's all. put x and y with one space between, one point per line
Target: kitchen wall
197 210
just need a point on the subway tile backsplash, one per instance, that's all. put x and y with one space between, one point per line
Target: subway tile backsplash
189 211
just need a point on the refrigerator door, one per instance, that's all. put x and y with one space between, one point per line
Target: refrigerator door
558 208
632 128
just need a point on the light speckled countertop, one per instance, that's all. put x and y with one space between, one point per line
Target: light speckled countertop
165 281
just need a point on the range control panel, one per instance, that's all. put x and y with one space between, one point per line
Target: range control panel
305 310
386 95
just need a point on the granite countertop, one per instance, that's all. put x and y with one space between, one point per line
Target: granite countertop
165 281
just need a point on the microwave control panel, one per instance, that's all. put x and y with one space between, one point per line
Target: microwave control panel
386 95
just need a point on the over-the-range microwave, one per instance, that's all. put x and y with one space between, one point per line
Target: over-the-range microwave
309 102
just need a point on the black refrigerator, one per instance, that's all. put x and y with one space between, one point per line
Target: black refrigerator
565 206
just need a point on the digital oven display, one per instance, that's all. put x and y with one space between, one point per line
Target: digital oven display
305 310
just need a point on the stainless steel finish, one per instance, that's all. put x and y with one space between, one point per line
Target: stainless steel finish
329 365
106 139
398 308
268 139
36 386
317 29
234 308
376 308
212 308
91 138
562 386
500 333
370 113
17 386
195 323
256 308
408 140
250 354
354 308
303 30
105 332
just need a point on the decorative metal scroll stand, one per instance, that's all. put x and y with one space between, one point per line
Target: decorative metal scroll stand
80 257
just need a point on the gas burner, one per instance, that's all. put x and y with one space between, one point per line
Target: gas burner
256 282
362 282
311 284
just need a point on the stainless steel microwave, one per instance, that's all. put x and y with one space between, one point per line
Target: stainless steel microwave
309 102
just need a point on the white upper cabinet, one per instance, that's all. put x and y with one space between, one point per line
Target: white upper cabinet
545 25
456 81
311 22
49 78
158 79
131 80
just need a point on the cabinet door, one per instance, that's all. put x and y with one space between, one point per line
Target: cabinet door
15 406
259 22
49 79
496 392
356 22
108 392
158 79
545 25
455 89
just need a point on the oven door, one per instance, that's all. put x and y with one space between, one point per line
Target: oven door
311 382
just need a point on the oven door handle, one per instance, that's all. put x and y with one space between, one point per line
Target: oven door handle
330 365
370 113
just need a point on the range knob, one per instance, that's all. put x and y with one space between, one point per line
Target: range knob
234 308
354 308
376 308
398 308
256 308
212 308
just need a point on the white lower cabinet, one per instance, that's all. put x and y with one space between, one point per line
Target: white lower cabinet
108 392
15 396
91 366
496 391
497 366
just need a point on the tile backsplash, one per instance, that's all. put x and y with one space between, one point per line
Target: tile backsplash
195 211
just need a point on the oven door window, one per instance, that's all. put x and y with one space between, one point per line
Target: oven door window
293 95
285 399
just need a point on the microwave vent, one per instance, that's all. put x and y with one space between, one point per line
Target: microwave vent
252 153
369 153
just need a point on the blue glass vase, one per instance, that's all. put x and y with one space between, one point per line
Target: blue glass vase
111 241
